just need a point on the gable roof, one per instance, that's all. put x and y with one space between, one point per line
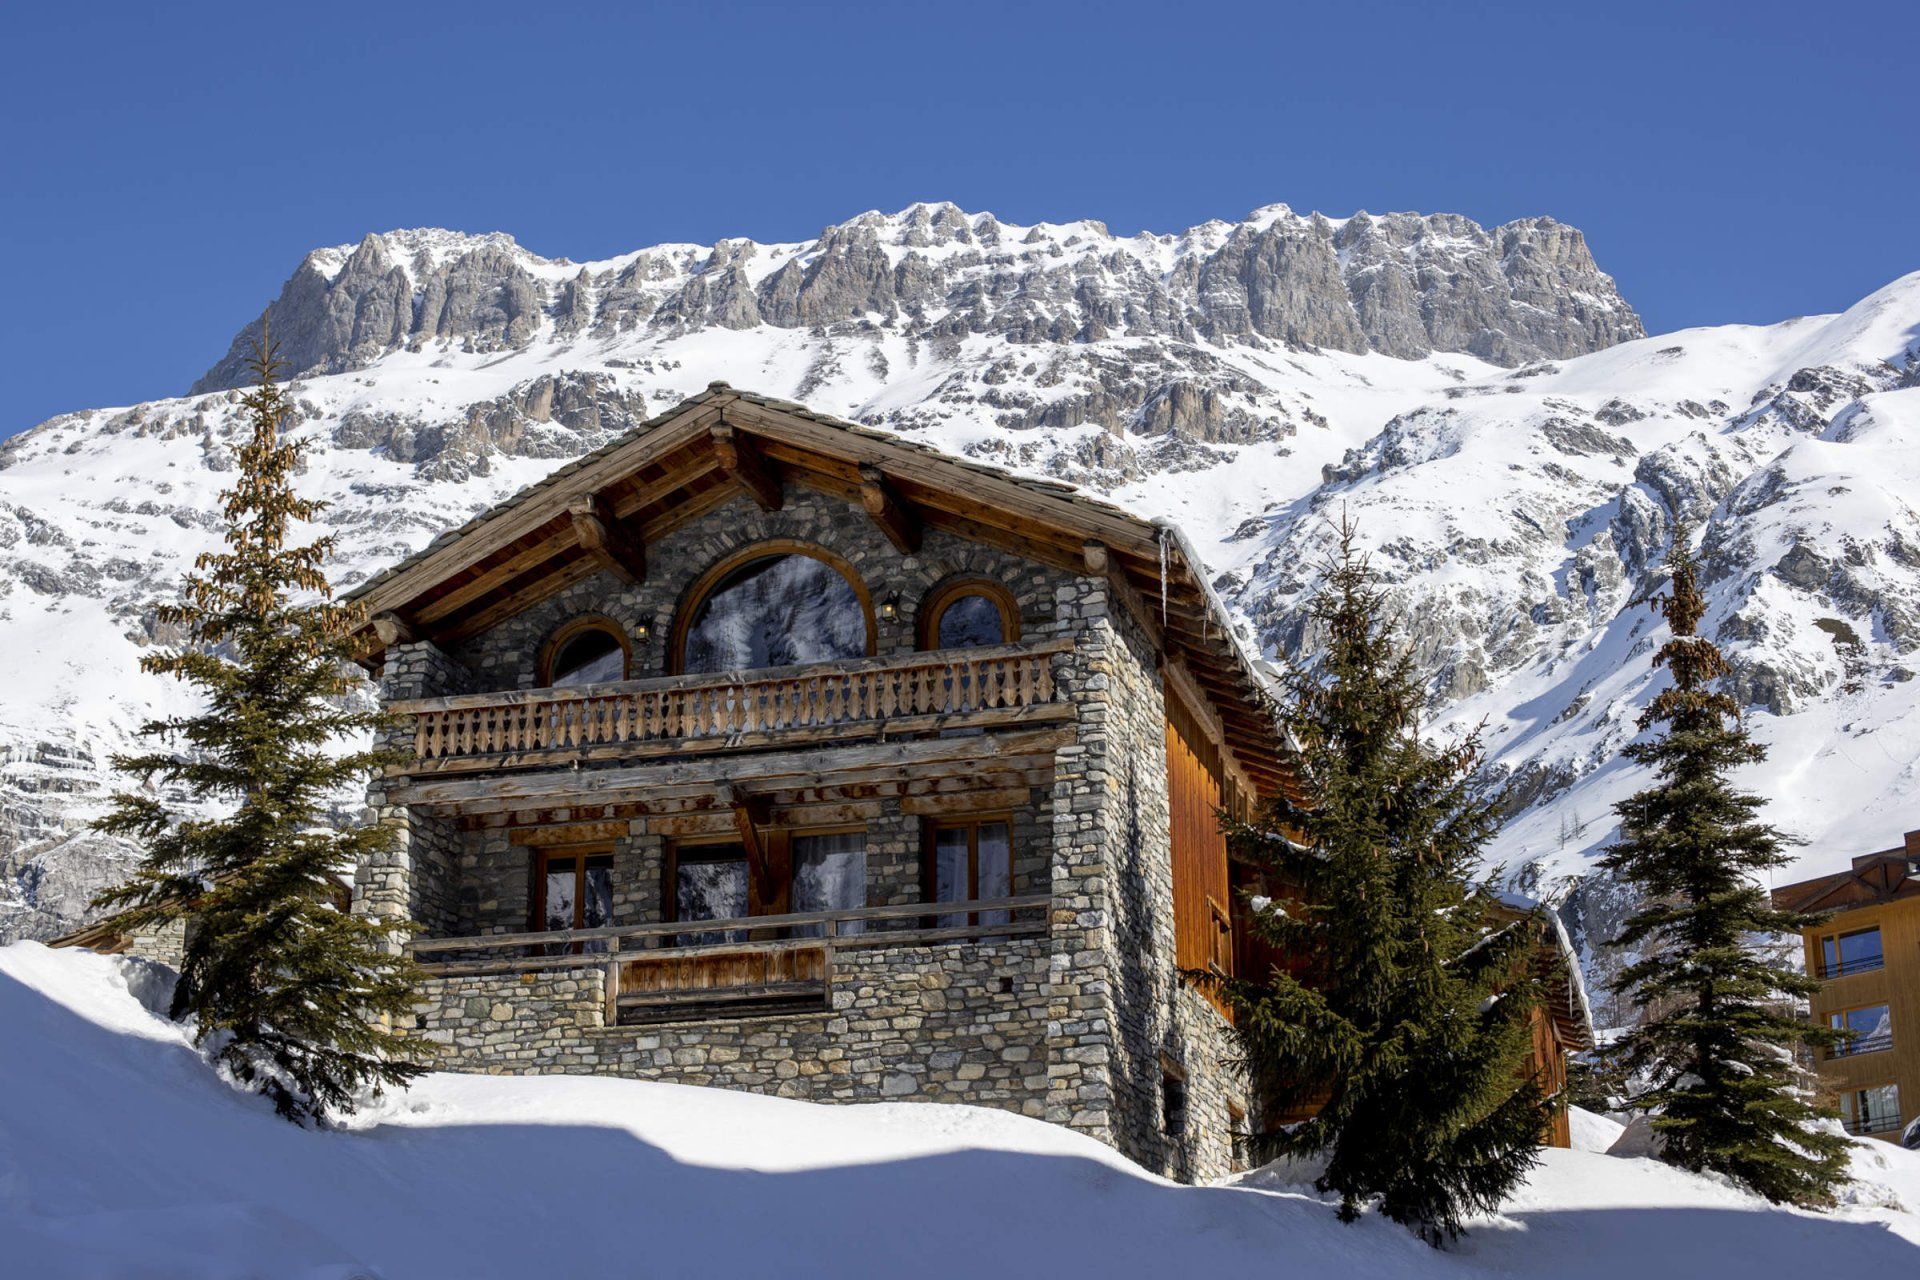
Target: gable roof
1872 879
602 509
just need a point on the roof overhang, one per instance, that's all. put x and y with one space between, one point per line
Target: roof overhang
601 512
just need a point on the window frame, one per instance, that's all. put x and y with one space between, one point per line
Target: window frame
537 897
716 573
930 855
1855 1122
790 857
1839 968
572 629
670 883
1850 1047
943 597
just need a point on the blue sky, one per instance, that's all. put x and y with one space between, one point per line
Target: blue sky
163 168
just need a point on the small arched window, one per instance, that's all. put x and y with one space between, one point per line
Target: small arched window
780 604
589 651
969 614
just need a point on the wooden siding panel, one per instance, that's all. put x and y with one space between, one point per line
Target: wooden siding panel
1201 896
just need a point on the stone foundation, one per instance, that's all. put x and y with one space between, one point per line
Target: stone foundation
934 1023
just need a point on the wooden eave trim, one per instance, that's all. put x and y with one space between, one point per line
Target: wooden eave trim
545 504
811 767
910 464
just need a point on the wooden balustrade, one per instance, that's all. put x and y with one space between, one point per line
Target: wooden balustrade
648 975
918 691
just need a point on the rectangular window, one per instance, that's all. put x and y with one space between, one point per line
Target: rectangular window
710 883
1219 939
1868 1029
830 874
972 860
1241 1157
1845 953
1874 1110
573 890
1173 1100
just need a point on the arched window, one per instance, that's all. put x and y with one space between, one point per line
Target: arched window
778 604
585 651
968 614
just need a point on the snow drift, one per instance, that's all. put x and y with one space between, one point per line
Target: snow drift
123 1155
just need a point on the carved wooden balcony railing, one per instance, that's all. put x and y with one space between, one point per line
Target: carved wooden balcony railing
915 692
698 968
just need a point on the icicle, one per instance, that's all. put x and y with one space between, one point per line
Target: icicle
1161 538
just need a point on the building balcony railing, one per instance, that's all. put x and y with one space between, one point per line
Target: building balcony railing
1853 1048
1847 968
703 968
916 692
1861 1125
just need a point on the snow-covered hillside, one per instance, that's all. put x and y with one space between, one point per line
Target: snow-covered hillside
123 1155
1479 398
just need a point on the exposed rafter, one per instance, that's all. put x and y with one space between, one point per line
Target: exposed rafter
744 464
619 553
895 518
392 629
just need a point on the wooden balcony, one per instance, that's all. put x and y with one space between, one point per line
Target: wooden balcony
838 701
707 968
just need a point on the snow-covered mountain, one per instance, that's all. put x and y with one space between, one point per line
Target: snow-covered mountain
1481 399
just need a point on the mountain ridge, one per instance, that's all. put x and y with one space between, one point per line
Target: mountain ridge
1517 510
1402 284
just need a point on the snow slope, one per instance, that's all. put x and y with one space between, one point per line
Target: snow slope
122 1155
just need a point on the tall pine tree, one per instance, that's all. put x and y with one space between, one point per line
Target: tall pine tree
289 994
1405 1010
1715 1047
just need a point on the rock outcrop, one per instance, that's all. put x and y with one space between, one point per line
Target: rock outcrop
1404 285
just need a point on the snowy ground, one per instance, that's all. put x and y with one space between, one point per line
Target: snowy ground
123 1155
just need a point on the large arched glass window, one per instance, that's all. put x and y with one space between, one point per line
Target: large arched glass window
969 613
776 605
588 651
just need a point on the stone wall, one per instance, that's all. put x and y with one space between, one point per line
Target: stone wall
955 1023
1119 1000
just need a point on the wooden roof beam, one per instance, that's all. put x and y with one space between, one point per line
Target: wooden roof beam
390 629
745 465
895 518
526 597
1100 562
617 551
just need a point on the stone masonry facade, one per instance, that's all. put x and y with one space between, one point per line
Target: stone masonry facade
1087 1026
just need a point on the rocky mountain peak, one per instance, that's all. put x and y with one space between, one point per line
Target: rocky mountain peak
1404 285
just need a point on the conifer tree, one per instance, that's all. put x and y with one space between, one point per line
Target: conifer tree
287 992
1404 1010
1715 1047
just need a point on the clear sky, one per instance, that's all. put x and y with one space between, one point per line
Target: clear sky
164 167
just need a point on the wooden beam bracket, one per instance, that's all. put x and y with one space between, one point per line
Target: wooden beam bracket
617 551
744 464
392 629
895 518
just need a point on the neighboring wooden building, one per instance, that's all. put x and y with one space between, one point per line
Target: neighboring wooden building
1562 1023
1867 954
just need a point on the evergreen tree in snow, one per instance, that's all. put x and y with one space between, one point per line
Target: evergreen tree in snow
289 994
1404 1012
1715 1046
